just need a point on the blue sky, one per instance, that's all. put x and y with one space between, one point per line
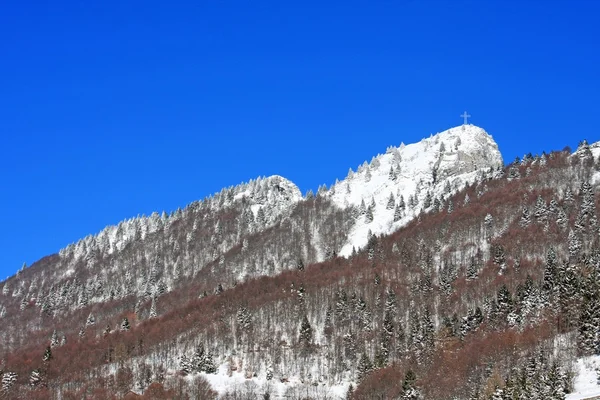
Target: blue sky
123 108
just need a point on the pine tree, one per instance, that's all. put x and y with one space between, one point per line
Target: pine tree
391 202
306 332
365 366
125 324
244 319
541 211
561 218
47 354
427 201
472 270
369 215
35 379
349 392
8 381
185 366
574 244
198 359
209 364
397 213
269 372
525 218
54 339
409 389
153 312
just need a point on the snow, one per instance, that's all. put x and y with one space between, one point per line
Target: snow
457 155
586 380
226 381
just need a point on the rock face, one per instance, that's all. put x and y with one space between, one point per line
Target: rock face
432 168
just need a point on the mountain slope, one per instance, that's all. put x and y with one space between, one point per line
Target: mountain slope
490 279
435 167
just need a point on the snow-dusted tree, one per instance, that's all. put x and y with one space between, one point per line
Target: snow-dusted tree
569 199
153 312
409 388
306 332
488 222
427 201
125 326
54 339
561 218
391 202
198 359
525 218
244 319
369 215
35 378
540 211
368 174
574 244
393 175
47 354
365 366
398 213
185 365
8 381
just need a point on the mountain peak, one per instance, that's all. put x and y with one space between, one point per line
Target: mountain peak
435 167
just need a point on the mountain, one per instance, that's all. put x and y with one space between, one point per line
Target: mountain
432 269
416 173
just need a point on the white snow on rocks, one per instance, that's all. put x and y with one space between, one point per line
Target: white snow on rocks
441 164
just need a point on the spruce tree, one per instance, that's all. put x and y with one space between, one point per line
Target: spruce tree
125 324
365 366
525 218
47 354
391 202
409 389
306 332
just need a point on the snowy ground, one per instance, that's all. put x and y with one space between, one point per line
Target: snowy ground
224 382
586 381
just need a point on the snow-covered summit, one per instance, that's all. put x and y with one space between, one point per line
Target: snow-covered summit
390 190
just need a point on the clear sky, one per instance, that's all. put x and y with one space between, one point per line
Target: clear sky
119 108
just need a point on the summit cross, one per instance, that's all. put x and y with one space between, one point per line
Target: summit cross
465 116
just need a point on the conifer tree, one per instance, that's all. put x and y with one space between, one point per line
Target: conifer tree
391 202
397 213
125 326
541 211
409 389
35 379
365 366
472 269
54 339
153 312
47 354
525 218
369 215
306 332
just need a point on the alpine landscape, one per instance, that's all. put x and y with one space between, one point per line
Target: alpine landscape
432 271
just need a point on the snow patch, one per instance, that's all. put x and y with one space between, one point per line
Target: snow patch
586 382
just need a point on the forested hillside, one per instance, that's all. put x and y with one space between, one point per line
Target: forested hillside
480 283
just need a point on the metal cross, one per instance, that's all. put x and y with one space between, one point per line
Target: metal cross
465 116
